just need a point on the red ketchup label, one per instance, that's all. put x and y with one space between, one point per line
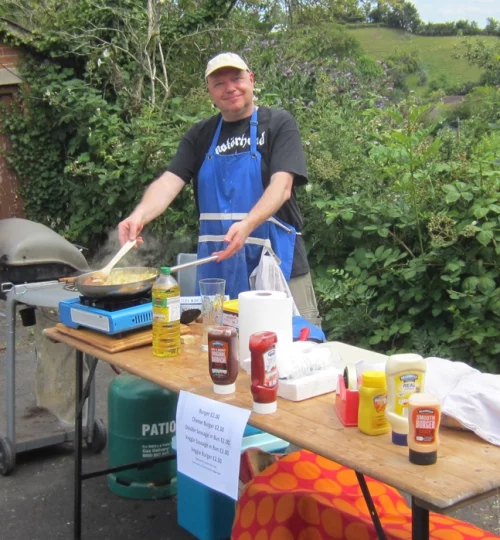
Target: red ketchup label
264 385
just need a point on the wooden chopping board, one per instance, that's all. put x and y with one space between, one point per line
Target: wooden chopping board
113 344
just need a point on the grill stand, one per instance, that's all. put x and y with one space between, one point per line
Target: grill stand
45 294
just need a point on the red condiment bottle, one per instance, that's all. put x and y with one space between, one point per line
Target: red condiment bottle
264 372
223 362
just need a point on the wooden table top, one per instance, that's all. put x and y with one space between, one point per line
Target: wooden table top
468 468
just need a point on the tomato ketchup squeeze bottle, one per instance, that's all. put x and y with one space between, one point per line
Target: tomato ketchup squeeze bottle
264 385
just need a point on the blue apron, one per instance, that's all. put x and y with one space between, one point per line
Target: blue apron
229 186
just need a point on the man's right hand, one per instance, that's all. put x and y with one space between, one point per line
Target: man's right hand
130 228
155 201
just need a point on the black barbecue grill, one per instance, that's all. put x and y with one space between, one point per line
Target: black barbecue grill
31 252
32 260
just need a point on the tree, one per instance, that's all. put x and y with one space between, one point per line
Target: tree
493 27
478 53
404 15
367 7
333 10
130 41
380 14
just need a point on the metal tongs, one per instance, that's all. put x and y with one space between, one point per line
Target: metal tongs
190 315
197 262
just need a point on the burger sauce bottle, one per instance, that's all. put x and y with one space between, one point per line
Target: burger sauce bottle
424 415
264 385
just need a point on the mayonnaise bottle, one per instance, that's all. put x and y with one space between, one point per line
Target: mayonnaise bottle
405 375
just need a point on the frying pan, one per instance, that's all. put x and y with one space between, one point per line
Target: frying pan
87 287
91 289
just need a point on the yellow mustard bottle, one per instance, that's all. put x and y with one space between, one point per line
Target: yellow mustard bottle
166 301
372 402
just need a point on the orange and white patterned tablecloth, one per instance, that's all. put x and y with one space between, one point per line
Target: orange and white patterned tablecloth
306 497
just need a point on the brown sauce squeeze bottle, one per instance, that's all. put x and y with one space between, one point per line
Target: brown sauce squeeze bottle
223 362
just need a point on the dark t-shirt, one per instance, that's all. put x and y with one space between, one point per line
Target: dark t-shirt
278 141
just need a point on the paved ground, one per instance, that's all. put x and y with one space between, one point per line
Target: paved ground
36 500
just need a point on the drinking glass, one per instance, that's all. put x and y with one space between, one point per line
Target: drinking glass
212 299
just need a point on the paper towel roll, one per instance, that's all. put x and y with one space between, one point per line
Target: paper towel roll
264 310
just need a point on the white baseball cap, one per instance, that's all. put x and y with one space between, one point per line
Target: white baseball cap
225 60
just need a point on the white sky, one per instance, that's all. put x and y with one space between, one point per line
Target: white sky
454 10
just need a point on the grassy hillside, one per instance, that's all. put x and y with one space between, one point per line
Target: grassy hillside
436 53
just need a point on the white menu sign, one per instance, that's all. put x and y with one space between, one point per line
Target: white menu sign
209 435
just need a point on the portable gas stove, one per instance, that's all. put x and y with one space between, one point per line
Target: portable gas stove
108 315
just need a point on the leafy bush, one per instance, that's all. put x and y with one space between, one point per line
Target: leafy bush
482 104
422 78
84 165
441 83
407 61
401 212
416 245
461 89
399 79
368 68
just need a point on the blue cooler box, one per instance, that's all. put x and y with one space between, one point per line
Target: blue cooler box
206 513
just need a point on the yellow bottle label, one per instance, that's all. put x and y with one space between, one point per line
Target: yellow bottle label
406 384
166 309
371 412
378 418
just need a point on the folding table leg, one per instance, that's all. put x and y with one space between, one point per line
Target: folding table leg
371 506
419 521
77 515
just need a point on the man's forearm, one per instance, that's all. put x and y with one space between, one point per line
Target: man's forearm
277 193
158 196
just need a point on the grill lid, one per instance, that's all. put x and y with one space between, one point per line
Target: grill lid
24 242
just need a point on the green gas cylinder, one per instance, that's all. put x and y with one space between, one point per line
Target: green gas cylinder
141 424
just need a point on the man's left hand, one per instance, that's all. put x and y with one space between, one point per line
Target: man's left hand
236 237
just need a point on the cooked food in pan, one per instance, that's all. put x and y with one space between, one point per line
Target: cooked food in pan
121 277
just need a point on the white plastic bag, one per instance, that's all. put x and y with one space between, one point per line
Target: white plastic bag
468 396
269 277
301 358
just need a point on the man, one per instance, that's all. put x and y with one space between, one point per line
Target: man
244 163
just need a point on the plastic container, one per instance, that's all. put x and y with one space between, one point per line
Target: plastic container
166 299
264 372
372 403
230 313
405 375
424 414
206 513
346 403
223 362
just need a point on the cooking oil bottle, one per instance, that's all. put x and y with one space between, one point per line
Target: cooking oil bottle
166 299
